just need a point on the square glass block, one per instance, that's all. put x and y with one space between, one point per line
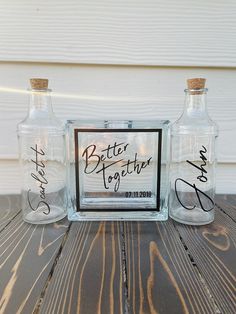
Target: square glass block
117 170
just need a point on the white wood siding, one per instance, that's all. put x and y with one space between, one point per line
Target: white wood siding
146 32
10 180
118 59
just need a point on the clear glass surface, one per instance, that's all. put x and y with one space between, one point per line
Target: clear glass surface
42 155
117 172
192 163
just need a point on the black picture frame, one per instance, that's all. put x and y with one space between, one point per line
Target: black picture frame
102 130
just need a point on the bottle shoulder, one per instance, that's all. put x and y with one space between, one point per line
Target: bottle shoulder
50 125
202 125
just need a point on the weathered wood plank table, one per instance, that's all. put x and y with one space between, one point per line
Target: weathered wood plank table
117 267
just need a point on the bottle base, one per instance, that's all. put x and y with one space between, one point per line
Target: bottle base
118 215
39 218
196 217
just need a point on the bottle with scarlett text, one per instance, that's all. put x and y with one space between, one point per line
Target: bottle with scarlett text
42 158
193 160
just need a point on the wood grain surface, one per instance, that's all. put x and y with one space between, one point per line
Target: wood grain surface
149 32
227 203
89 275
160 276
27 255
213 248
117 267
9 208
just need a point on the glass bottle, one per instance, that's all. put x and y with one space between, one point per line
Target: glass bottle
42 155
193 160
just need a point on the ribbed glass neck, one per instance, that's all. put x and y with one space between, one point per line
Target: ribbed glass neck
195 102
40 101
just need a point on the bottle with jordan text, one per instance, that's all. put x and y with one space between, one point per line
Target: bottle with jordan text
41 138
193 160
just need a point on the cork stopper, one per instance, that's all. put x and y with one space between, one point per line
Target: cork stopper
196 83
39 83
